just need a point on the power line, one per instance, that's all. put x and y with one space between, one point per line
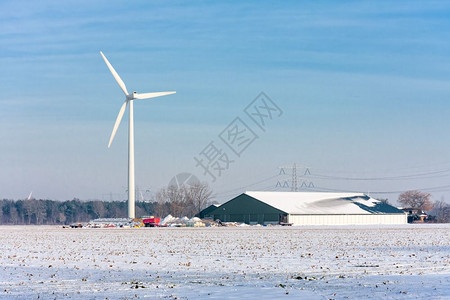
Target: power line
246 186
399 177
444 188
416 167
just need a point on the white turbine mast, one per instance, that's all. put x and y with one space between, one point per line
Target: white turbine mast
129 102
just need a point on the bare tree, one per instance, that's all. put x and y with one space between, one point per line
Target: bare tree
161 207
99 209
416 199
441 210
385 201
170 200
39 211
177 200
184 200
200 195
27 210
14 215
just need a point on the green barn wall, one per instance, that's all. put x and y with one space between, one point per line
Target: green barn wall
205 213
246 209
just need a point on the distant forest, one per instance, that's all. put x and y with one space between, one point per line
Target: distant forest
177 201
49 212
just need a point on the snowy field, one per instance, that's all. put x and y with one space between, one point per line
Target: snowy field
396 262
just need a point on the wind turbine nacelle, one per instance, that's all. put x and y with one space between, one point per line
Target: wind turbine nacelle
132 95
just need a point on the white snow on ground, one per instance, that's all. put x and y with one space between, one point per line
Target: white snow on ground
351 262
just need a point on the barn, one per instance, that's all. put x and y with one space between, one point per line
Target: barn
206 212
307 208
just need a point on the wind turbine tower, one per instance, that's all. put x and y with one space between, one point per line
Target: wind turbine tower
129 98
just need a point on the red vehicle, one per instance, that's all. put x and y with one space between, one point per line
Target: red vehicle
151 222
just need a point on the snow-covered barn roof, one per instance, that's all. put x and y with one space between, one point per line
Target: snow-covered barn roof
323 203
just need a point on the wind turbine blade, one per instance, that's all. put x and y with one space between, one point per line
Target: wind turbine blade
116 76
119 118
151 95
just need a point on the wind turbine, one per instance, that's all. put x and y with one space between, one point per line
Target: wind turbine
129 102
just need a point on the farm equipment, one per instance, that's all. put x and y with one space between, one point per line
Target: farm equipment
151 222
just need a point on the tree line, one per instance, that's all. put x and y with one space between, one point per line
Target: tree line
51 212
177 201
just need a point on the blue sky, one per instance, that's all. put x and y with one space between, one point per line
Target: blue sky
364 88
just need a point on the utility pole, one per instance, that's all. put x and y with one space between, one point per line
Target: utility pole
294 179
294 185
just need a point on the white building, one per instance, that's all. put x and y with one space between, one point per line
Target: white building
307 208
